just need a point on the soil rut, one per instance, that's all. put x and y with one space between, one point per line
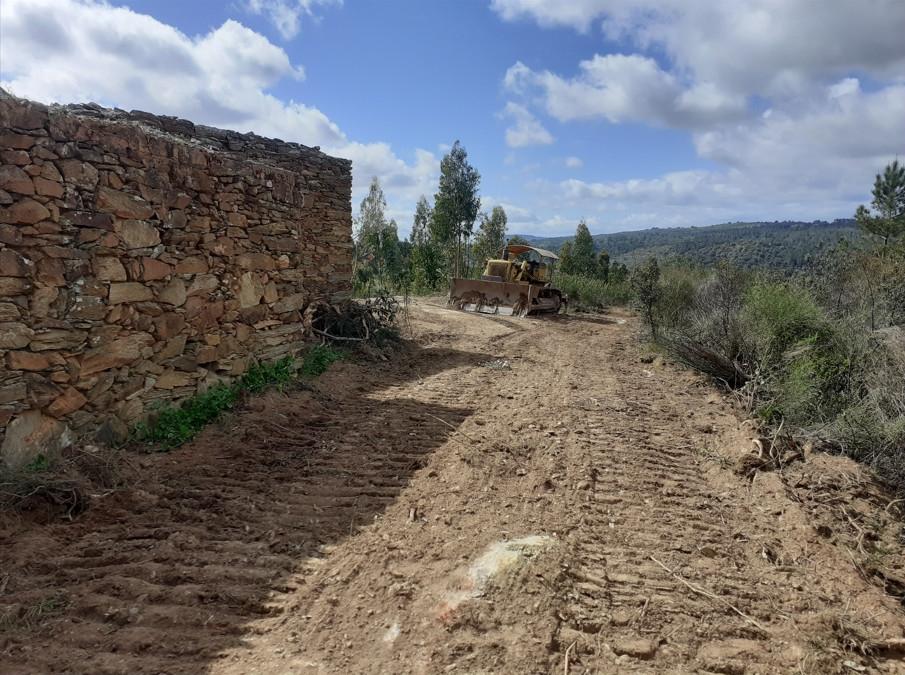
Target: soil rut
506 496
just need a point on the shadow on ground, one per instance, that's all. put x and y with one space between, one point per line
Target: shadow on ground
165 576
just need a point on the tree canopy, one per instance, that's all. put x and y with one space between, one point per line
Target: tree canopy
889 204
456 203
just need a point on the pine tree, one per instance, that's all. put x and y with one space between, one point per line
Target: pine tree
888 202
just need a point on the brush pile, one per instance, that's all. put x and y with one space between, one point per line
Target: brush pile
373 320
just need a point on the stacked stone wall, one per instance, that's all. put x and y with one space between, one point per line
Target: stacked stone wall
143 258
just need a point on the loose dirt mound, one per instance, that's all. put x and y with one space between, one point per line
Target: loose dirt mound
574 511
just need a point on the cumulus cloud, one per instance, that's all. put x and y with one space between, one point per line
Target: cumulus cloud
573 162
526 129
743 45
87 50
795 123
286 15
625 87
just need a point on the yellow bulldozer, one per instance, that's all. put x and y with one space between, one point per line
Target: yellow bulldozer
519 283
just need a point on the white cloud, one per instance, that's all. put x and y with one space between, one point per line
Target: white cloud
286 15
92 51
797 103
573 162
622 88
526 129
744 46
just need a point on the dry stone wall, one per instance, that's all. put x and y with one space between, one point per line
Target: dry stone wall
144 257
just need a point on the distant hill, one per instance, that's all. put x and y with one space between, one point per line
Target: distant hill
778 245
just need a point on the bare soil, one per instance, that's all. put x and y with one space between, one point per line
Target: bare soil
501 496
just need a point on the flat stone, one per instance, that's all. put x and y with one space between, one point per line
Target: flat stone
51 272
172 379
120 352
14 179
32 360
192 265
122 204
27 115
87 308
12 264
250 290
48 188
27 212
290 303
169 324
153 269
139 234
16 141
109 269
172 348
207 354
12 393
70 401
256 261
173 293
42 298
57 339
638 648
204 283
79 173
102 221
33 434
130 291
9 312
15 335
10 286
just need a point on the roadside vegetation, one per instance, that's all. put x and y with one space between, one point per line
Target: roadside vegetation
175 425
821 353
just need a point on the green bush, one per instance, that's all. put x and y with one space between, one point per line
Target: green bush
589 294
779 316
676 298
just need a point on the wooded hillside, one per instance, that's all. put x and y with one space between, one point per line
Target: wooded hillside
777 245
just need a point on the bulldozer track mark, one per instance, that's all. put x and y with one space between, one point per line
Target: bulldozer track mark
433 515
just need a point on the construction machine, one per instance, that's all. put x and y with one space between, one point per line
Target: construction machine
519 282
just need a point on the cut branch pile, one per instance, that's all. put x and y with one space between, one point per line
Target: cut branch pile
370 321
699 356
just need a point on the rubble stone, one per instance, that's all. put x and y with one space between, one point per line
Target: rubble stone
141 259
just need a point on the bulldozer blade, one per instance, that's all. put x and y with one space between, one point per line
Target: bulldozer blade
491 297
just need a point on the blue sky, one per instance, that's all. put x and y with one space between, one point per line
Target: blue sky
629 114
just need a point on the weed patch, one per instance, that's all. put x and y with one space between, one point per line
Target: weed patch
318 359
175 425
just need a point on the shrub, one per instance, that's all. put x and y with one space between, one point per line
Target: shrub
589 294
780 315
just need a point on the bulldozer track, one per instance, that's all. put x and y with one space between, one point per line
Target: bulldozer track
432 514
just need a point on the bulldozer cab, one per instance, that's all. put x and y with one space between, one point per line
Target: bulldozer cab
521 264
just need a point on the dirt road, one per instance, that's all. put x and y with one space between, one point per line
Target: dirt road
506 496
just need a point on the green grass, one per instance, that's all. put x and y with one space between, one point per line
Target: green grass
39 464
173 425
318 359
